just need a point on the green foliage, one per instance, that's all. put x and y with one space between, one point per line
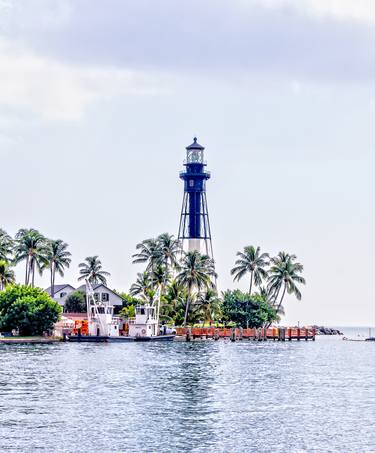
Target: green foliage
29 310
57 259
127 312
92 270
247 310
196 273
207 307
31 247
7 276
128 305
253 262
76 303
6 246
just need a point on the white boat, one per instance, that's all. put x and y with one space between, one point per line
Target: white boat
103 326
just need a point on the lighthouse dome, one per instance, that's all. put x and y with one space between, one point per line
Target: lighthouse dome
195 145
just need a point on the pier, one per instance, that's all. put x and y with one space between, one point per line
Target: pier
234 334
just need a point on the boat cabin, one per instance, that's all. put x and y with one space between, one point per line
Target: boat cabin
145 323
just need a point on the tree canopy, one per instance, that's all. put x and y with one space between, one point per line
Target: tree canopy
247 310
75 302
29 310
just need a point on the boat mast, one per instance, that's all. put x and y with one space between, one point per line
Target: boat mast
92 304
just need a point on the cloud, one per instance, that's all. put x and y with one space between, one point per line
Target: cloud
55 90
363 10
292 39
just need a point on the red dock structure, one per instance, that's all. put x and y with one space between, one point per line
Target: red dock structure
238 333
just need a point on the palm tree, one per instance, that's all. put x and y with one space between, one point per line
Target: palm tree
173 303
30 246
208 306
284 275
92 270
7 276
6 245
143 287
58 258
196 273
169 249
252 261
148 252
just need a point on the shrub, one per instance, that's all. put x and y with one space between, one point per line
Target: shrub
31 311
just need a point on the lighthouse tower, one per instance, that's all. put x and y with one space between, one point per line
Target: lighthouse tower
194 230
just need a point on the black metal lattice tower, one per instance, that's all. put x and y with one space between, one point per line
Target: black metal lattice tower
194 230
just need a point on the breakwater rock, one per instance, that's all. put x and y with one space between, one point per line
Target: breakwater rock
321 330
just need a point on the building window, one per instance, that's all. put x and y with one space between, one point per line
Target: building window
191 182
96 297
105 297
62 294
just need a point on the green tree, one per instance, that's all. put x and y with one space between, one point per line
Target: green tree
143 287
247 310
284 275
128 305
7 276
208 306
29 310
6 246
76 302
58 258
173 303
169 250
149 252
31 246
93 271
253 262
196 273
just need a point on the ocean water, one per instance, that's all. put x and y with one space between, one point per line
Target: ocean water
189 397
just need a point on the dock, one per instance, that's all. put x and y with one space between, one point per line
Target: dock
238 333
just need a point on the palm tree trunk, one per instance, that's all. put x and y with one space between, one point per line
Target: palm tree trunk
33 273
187 306
281 300
251 282
276 296
52 280
27 271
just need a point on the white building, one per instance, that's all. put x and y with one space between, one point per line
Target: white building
101 293
61 293
104 294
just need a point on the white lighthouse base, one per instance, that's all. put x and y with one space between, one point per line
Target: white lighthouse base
194 245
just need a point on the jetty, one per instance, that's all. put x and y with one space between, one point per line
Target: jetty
234 334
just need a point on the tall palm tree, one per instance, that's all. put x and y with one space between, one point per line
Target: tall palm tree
169 250
208 306
30 246
148 252
7 276
143 287
6 245
58 258
93 271
253 262
196 273
284 276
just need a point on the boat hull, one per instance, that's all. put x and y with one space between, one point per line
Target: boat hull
142 339
102 339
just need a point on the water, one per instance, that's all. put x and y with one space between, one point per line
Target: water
180 397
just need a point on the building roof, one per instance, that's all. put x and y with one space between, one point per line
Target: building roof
96 286
195 145
57 288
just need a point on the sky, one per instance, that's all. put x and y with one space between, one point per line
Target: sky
98 101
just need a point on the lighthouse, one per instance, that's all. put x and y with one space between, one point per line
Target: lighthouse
194 230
